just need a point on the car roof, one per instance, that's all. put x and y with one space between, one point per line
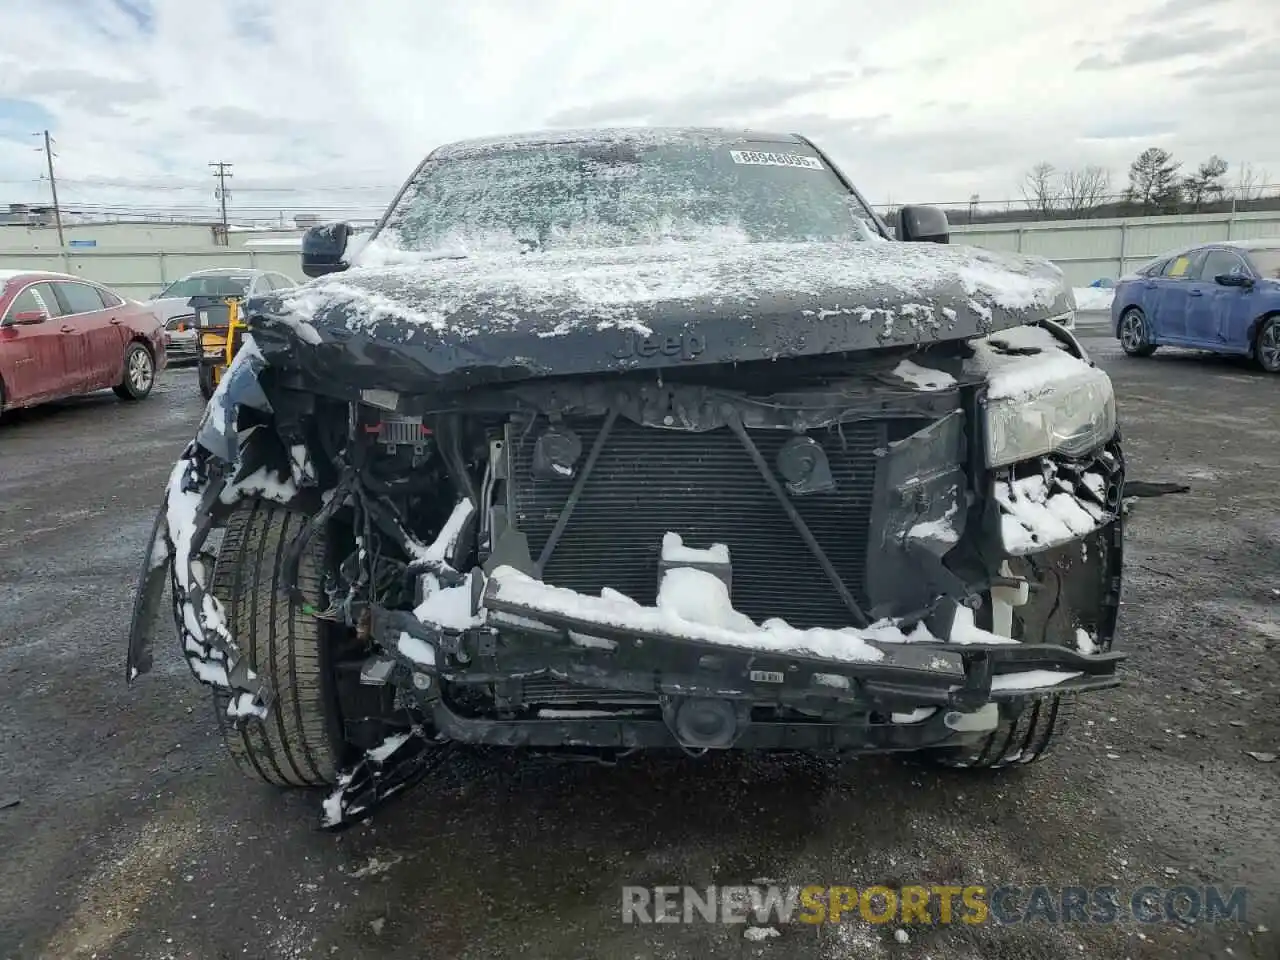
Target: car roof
655 136
1257 243
225 271
7 275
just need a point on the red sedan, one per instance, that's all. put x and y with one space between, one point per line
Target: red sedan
61 335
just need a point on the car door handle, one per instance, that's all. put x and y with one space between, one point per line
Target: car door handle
116 321
1197 293
68 329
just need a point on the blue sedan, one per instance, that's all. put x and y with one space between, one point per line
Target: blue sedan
1223 297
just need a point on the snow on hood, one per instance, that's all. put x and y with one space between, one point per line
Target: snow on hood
617 287
451 320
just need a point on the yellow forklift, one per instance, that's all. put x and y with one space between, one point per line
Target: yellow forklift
219 332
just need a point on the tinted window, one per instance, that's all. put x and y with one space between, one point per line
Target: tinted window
1183 266
208 285
1222 261
79 297
108 298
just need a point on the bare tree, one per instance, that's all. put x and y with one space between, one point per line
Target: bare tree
1205 185
1085 189
1251 183
1040 188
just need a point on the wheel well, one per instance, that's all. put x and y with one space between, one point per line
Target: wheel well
1256 329
138 338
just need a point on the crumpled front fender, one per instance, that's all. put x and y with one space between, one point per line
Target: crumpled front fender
197 495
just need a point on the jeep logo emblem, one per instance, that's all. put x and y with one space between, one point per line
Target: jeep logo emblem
687 346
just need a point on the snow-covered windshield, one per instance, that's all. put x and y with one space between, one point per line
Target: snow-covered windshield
623 192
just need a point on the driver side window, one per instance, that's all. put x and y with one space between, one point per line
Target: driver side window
1218 262
38 297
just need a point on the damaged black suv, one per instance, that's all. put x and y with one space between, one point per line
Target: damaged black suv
643 439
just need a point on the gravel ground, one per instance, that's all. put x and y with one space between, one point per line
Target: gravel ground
132 836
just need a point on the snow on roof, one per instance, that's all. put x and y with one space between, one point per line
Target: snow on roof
1257 243
650 136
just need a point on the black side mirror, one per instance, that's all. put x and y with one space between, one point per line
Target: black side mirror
323 247
923 225
1233 280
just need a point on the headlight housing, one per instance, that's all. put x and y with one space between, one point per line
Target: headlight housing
1071 414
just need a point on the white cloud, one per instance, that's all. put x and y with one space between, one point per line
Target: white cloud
925 100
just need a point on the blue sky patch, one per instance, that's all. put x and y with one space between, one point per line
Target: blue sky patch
19 119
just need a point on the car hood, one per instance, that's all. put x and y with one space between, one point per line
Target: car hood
447 322
166 308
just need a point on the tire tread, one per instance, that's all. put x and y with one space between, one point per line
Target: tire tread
291 747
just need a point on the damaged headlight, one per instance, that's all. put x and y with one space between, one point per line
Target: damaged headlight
1071 415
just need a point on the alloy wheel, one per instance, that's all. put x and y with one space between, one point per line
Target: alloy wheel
1269 346
140 371
1133 334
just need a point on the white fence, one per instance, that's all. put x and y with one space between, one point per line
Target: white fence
1089 249
1085 249
140 273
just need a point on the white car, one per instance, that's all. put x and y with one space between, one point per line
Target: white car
173 304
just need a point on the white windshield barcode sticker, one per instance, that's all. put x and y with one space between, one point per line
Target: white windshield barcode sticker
776 159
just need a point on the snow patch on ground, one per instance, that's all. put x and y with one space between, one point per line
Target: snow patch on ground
1094 299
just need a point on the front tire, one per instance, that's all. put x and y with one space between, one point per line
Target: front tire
205 379
139 373
1135 334
1026 731
1267 347
292 747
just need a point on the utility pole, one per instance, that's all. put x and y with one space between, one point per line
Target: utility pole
53 187
222 171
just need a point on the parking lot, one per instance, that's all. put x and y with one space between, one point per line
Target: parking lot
126 833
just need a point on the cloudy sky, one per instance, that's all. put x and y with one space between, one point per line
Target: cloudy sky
332 102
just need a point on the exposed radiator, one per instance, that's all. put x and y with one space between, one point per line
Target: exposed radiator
705 487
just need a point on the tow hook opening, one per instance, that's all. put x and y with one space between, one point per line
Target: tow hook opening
704 723
986 717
